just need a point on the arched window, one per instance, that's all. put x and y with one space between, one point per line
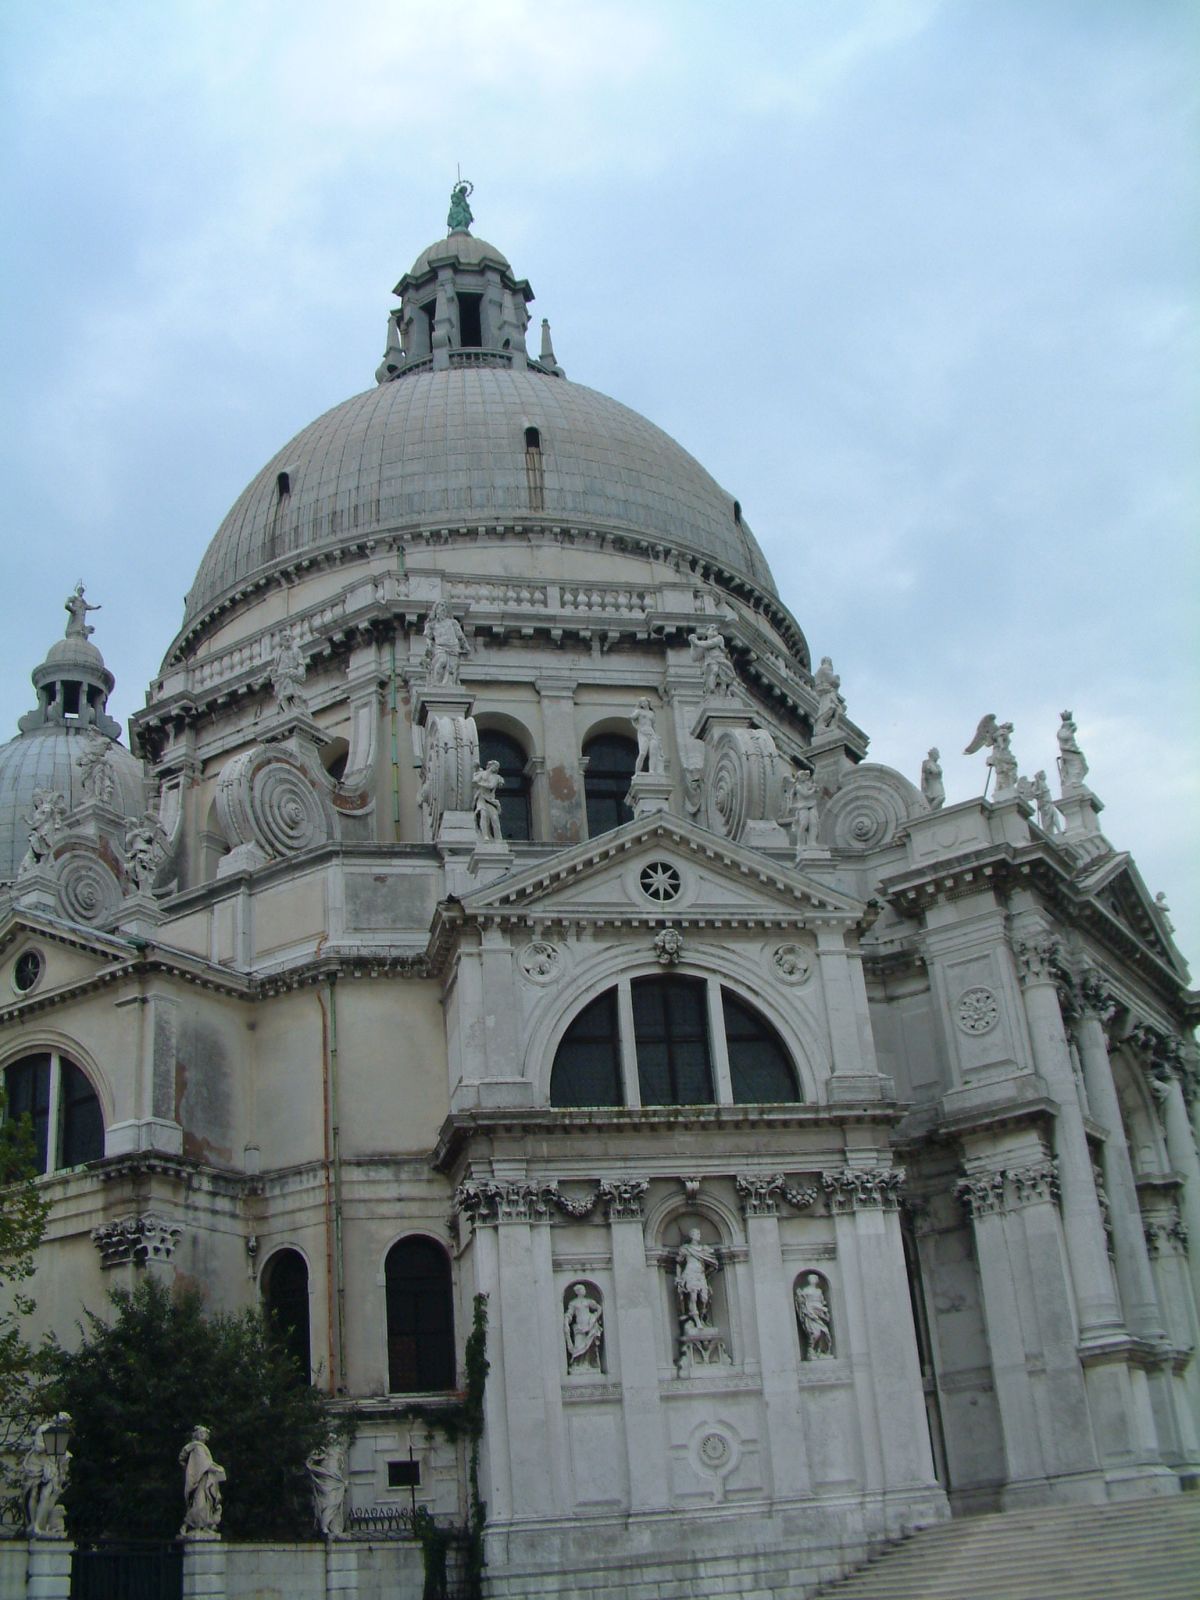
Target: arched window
420 1317
684 1032
587 1065
759 1069
285 1302
611 758
62 1107
514 796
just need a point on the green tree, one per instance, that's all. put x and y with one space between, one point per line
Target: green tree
137 1386
23 1212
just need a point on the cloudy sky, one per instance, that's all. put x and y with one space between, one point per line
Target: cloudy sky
915 280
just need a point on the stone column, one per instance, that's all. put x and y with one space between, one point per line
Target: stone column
1181 1152
1083 1222
1134 1275
48 1573
203 1568
777 1350
855 1074
880 1342
635 1291
563 793
1023 1279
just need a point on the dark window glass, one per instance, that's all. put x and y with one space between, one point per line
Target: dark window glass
671 1030
420 1317
404 1474
285 1301
533 439
470 328
82 1136
759 1068
514 797
587 1066
611 758
28 1085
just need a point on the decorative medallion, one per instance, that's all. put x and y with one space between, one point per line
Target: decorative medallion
792 963
977 1011
660 882
714 1450
541 961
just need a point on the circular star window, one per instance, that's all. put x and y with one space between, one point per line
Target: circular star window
27 969
660 882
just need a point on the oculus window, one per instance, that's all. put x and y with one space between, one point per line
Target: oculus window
62 1107
671 1041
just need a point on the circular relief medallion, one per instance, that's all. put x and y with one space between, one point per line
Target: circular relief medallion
792 963
978 1010
541 961
660 882
714 1450
27 969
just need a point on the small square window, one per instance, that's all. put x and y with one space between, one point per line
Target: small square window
404 1474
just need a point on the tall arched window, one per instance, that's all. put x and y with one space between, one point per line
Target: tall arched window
420 1317
285 1302
690 1041
611 758
514 796
63 1109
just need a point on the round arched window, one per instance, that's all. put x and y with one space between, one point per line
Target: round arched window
62 1107
285 1301
611 758
420 1316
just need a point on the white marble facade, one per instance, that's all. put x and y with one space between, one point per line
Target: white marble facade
911 1079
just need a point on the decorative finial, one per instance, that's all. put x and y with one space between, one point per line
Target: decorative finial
460 219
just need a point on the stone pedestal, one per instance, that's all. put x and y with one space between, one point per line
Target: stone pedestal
139 914
490 859
341 1569
293 726
649 793
48 1573
204 1567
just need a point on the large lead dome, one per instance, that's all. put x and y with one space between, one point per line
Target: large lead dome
466 428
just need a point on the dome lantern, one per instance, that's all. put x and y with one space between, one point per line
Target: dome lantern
72 683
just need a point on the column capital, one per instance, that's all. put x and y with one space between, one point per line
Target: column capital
1008 1188
624 1198
760 1193
863 1188
1039 960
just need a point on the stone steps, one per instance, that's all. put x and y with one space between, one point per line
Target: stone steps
1136 1550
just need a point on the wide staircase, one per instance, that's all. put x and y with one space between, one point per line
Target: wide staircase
1132 1550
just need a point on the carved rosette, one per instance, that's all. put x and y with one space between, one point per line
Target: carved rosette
88 888
977 1010
743 781
268 801
137 1239
863 1188
451 757
760 1194
624 1198
1008 1188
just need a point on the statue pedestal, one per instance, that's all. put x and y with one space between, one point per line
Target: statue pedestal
292 725
203 1566
139 914
456 831
48 1573
649 793
701 1347
38 890
1080 811
828 756
763 834
715 715
440 700
341 1567
490 859
813 855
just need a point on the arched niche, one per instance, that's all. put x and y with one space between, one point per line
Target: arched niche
812 1300
585 1337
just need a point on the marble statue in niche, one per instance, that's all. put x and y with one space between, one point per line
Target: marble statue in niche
583 1330
700 1341
814 1317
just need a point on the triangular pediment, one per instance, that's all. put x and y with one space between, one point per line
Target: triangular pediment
1117 888
663 868
67 954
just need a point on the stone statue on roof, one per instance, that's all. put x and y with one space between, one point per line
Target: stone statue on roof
77 625
460 218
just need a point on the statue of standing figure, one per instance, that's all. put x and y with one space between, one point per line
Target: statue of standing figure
202 1480
695 1262
583 1330
1047 813
44 1478
800 809
487 784
1072 764
96 775
46 821
830 704
459 217
288 672
932 786
145 846
445 645
650 756
812 1313
998 737
78 607
327 1473
708 648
